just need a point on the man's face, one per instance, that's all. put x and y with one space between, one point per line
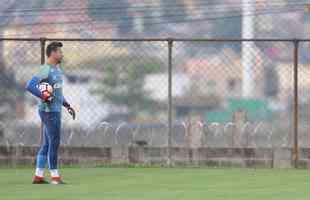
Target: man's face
57 55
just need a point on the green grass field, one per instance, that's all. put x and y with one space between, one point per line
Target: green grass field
160 183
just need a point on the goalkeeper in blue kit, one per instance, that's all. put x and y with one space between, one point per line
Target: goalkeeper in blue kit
50 107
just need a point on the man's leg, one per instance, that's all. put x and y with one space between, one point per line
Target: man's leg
41 155
54 131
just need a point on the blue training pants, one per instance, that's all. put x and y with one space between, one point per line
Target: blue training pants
48 152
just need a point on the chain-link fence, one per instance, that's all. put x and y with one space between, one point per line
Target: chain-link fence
303 90
239 93
158 92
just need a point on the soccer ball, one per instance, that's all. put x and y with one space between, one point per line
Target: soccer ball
46 89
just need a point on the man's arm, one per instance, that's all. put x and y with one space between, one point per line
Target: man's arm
65 102
69 108
32 84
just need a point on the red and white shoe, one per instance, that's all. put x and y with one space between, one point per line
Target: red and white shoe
57 180
39 180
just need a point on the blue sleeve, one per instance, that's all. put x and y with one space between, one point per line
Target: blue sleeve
32 86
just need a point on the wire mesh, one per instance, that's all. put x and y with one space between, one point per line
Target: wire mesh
232 94
303 91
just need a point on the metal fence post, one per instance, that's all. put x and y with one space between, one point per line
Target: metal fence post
42 42
295 147
170 45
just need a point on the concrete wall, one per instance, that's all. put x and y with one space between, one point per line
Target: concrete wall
212 157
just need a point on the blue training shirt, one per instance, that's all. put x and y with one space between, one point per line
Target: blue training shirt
54 76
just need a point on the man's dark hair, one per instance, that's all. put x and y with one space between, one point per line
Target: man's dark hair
53 46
